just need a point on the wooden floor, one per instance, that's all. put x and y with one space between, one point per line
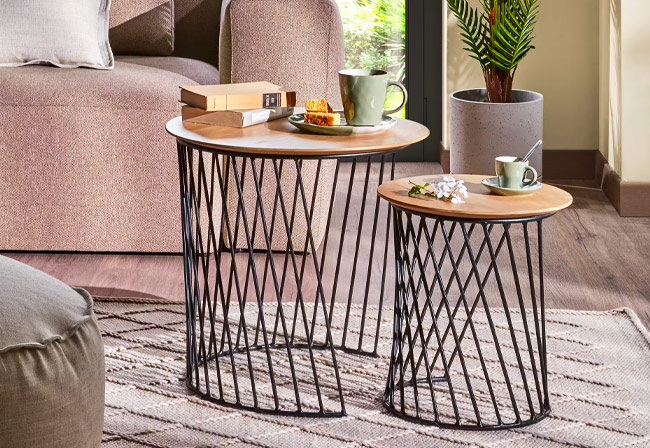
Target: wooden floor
594 259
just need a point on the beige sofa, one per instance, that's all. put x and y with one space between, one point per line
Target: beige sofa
85 163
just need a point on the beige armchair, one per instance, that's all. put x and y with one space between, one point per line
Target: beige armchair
297 44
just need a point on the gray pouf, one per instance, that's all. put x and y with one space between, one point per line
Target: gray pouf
51 362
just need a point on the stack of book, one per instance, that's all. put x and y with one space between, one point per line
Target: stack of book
236 105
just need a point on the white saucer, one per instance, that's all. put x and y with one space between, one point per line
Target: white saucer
492 184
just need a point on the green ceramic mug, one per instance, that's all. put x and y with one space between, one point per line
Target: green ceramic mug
511 172
364 93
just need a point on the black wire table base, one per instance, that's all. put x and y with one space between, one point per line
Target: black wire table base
275 257
456 361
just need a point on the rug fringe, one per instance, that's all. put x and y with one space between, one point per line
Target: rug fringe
636 320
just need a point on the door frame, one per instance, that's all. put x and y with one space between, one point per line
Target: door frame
424 76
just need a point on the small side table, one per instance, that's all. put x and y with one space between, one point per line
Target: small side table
458 361
262 296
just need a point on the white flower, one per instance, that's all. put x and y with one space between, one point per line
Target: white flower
448 189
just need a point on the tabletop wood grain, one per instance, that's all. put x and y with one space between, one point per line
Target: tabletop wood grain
480 204
281 138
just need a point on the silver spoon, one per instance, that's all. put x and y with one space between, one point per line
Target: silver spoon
532 151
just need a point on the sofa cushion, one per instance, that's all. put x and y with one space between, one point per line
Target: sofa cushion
86 158
51 362
142 27
65 33
128 86
198 71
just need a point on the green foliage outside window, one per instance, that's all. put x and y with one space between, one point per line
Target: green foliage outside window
375 37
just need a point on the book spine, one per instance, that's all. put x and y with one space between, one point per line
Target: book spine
270 100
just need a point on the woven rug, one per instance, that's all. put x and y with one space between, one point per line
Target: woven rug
599 381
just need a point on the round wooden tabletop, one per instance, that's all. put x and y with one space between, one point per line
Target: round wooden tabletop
480 204
281 138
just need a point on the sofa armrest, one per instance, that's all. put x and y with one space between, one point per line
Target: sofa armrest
294 43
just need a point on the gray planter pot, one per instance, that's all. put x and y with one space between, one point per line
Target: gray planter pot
480 131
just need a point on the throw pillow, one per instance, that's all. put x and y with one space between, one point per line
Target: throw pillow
142 27
65 33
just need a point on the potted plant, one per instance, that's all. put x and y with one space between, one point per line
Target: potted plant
495 120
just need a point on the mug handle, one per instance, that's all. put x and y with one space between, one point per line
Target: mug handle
404 92
526 182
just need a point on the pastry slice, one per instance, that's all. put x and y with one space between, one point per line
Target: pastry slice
320 105
323 119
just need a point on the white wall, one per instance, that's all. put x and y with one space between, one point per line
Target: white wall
625 87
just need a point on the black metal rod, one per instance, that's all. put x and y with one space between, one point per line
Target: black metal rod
215 284
328 329
342 239
380 306
355 258
280 311
419 274
326 239
524 319
251 263
299 298
215 281
373 237
506 308
445 300
540 245
404 235
533 299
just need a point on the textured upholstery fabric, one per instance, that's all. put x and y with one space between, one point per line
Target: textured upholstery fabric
198 71
288 187
306 58
86 162
225 44
36 309
197 30
142 27
51 362
65 33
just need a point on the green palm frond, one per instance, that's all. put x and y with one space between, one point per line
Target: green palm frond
473 27
511 33
498 34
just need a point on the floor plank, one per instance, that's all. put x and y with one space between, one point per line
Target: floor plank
594 259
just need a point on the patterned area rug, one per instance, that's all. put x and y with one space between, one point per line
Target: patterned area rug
599 381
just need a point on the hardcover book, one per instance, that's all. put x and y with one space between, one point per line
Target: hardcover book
250 95
234 118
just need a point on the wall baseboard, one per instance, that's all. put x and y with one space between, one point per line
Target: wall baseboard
570 164
629 198
558 163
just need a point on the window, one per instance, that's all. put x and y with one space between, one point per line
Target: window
403 37
375 37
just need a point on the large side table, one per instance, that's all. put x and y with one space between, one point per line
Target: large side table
469 339
262 294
